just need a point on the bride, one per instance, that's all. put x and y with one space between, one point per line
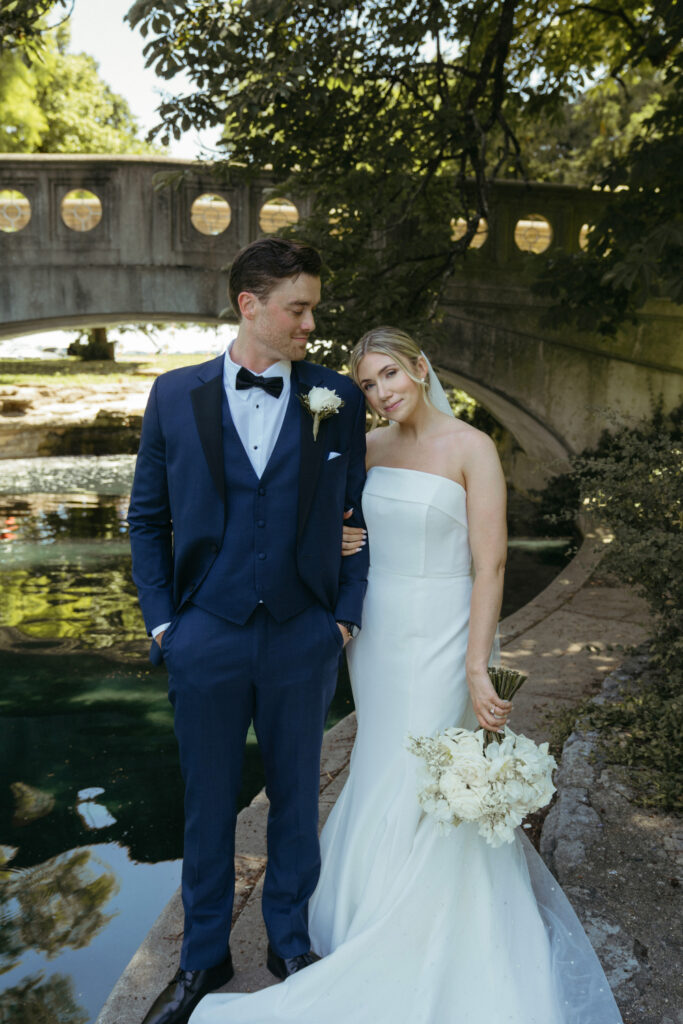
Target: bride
416 927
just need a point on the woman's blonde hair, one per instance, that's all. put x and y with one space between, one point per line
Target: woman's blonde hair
392 342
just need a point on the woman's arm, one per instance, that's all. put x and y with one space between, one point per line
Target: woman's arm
354 537
486 516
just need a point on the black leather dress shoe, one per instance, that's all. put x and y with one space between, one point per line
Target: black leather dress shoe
175 1004
283 966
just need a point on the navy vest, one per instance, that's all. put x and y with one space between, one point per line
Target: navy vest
257 559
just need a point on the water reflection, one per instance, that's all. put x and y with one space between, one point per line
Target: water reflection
66 569
38 1001
54 906
76 722
97 474
107 900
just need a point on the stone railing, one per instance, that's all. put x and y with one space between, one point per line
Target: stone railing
93 240
53 204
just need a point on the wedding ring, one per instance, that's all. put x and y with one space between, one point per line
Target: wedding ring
492 710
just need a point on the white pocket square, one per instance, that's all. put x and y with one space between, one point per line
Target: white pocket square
333 455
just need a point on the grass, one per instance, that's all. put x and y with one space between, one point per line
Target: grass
51 371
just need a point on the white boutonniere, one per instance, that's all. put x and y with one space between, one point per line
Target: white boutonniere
321 403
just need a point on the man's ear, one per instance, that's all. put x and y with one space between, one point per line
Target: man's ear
247 303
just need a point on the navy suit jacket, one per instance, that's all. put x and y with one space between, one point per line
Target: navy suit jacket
179 502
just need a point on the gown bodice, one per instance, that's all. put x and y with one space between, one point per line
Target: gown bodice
417 523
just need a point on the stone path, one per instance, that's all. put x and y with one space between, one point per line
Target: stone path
568 639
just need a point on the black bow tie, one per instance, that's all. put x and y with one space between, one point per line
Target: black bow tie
246 379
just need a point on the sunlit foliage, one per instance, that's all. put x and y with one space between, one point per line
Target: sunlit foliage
393 116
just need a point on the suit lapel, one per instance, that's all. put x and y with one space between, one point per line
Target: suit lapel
207 401
312 452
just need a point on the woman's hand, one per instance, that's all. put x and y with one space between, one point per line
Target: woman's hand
353 537
491 710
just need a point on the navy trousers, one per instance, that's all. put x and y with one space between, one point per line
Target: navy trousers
223 676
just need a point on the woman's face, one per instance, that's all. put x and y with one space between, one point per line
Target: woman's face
387 387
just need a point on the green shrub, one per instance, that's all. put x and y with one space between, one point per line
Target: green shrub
643 730
632 483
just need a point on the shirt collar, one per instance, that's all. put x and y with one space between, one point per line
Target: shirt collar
283 369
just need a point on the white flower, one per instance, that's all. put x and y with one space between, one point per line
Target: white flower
323 400
321 403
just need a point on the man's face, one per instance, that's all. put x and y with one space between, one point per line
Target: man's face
281 325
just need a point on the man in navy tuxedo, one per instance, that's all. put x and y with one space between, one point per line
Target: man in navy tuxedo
235 523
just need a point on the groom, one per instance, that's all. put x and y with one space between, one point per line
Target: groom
235 524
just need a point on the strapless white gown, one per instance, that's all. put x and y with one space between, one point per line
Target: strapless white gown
417 927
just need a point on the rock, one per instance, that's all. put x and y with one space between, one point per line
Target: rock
7 853
30 803
15 406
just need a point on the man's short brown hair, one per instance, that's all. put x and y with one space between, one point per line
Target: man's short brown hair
261 265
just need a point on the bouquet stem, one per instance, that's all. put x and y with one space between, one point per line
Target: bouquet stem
506 682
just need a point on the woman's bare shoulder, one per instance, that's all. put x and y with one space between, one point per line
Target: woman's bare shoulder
469 450
376 436
376 442
469 436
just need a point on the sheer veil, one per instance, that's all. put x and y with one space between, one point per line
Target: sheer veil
437 395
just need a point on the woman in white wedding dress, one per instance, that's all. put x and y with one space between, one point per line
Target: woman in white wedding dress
416 927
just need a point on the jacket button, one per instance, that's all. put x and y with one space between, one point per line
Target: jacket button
260 522
262 491
262 555
214 549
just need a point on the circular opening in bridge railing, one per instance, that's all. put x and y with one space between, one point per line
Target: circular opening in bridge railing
210 214
276 214
15 210
583 235
533 233
459 227
81 210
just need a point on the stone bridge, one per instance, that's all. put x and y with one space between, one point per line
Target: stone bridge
88 240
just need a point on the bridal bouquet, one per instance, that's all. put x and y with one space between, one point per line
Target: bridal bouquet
468 777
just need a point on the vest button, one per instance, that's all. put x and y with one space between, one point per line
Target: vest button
260 522
262 555
214 549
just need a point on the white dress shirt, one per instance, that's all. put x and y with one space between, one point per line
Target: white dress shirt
258 417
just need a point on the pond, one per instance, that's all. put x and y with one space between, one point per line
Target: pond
90 790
